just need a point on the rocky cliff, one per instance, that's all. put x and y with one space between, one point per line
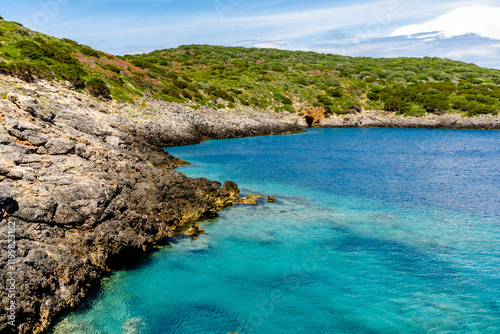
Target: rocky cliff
384 119
85 187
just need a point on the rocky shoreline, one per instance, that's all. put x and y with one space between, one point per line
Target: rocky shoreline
85 186
381 119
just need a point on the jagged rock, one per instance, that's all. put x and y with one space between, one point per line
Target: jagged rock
194 230
4 170
15 174
6 195
83 151
250 199
5 140
40 211
65 215
60 146
38 139
21 129
42 150
229 194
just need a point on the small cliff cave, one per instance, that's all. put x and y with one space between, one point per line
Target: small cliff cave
309 120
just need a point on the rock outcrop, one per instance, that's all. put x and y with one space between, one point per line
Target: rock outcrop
250 199
378 119
85 187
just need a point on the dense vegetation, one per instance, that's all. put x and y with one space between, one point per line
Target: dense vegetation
229 77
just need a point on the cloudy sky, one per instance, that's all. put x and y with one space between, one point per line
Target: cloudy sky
461 30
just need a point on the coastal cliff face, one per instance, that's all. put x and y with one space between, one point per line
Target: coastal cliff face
381 119
376 119
85 189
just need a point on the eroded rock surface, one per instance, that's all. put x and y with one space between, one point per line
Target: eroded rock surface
87 187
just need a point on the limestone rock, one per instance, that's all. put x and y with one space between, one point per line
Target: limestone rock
114 141
60 146
38 139
194 230
250 199
15 174
6 195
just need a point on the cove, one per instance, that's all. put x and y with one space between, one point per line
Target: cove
373 231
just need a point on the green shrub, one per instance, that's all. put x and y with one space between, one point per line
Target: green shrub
303 81
97 87
112 68
289 107
88 51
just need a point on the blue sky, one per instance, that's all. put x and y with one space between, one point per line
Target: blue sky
461 30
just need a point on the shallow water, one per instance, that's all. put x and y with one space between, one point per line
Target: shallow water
373 231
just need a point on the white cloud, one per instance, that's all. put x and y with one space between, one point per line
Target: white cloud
480 20
271 45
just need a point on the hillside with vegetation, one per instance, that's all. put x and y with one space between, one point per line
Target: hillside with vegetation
263 79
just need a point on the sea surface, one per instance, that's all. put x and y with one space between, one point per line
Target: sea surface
372 231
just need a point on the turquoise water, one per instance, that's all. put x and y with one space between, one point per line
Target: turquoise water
373 231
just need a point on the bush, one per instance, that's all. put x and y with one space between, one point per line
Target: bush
302 81
97 87
88 51
289 107
112 68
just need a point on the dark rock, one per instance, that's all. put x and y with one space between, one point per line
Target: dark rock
65 215
4 170
7 202
6 195
57 146
39 211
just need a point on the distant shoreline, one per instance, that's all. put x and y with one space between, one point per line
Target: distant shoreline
381 119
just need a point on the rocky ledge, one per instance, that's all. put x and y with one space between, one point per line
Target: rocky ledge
85 187
381 119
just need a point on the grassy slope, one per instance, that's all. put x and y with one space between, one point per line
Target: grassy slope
225 77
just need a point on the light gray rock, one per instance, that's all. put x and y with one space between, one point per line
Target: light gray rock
114 141
38 139
6 195
5 140
58 146
15 174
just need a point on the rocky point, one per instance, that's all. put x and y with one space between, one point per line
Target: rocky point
86 187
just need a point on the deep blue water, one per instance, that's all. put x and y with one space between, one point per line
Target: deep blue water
373 231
